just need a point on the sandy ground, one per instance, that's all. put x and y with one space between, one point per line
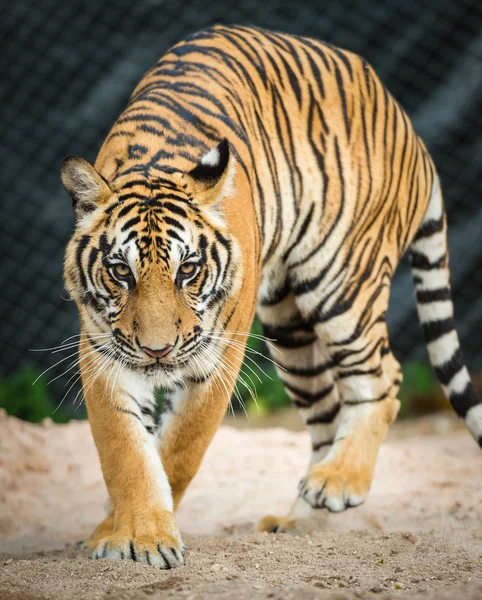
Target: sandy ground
419 535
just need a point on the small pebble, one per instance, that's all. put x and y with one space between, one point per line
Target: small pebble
8 561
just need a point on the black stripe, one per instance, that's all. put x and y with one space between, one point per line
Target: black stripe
306 399
92 257
464 401
376 371
130 223
309 371
429 228
277 296
130 237
133 182
175 209
334 223
173 223
222 240
341 88
91 300
303 287
133 551
148 428
420 261
326 417
343 57
315 73
173 234
428 296
136 150
125 209
199 378
375 117
284 340
356 402
163 196
320 445
148 411
152 130
447 370
131 196
301 232
436 329
82 245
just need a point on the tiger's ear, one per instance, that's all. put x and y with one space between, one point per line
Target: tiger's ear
213 175
87 188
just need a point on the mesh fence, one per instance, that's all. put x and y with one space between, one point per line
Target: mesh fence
69 68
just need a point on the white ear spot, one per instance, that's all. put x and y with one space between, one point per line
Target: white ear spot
211 159
228 187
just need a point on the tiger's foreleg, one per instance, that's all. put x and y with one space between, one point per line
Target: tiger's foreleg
103 529
141 526
190 419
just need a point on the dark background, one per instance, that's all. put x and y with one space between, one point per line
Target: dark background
68 68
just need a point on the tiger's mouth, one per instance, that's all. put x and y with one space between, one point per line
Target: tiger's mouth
159 366
194 362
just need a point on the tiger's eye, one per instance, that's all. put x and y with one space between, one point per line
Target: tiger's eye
121 271
187 268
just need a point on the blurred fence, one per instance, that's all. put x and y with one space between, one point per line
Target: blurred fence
69 67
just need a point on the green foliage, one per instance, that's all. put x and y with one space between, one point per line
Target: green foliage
420 391
21 398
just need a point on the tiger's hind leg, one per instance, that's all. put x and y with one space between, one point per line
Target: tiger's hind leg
368 377
307 373
345 383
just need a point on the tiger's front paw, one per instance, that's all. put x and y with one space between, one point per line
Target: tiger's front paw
153 539
334 487
104 529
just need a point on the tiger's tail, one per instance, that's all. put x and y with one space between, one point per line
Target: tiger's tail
430 267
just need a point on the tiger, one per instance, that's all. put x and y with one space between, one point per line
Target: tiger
251 172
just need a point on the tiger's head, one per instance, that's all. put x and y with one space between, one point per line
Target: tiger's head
152 264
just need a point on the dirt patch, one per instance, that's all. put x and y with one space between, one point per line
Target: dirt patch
419 535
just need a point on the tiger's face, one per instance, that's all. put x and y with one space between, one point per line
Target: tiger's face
151 265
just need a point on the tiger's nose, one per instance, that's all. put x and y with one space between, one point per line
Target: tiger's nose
157 353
